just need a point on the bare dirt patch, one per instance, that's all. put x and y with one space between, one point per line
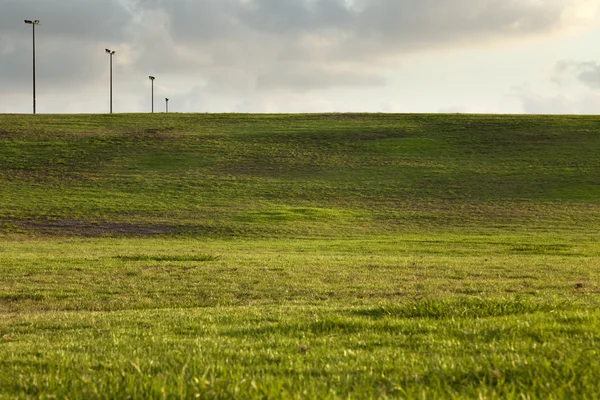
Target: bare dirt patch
73 228
94 229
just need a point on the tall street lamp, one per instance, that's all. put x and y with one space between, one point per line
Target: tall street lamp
111 53
166 105
152 80
33 24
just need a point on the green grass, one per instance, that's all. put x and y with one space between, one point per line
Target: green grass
299 174
299 256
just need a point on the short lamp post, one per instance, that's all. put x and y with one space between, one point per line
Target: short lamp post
111 53
152 80
33 24
166 105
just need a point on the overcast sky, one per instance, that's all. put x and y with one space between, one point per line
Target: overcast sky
483 56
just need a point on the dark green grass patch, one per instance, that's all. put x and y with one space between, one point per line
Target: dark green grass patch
462 308
175 258
562 249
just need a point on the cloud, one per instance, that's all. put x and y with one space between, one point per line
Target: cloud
411 23
300 77
589 74
247 47
376 26
575 90
319 44
586 73
69 41
82 19
560 103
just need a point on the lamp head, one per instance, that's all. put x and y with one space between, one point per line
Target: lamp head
151 78
28 21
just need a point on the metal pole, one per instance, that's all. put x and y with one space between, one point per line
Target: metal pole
152 79
111 53
166 105
33 67
111 79
33 24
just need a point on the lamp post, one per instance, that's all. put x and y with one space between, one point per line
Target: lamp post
166 105
33 24
152 80
111 53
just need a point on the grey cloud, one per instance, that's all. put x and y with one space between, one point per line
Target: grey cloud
62 65
584 72
69 42
253 45
292 17
89 19
589 74
560 104
405 20
308 77
187 101
406 23
554 104
262 35
566 101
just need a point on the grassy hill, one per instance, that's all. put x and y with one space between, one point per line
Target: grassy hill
299 256
296 174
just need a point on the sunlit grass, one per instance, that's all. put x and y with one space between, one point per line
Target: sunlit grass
299 256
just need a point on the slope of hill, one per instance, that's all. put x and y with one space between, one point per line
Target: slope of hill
299 256
296 174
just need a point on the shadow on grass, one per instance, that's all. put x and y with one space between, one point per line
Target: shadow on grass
545 249
459 308
348 323
150 257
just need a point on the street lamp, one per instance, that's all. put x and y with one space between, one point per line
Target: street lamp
111 53
33 24
166 105
152 79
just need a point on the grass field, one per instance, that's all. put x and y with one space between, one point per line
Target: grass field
299 256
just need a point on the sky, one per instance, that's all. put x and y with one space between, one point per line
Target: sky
273 56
